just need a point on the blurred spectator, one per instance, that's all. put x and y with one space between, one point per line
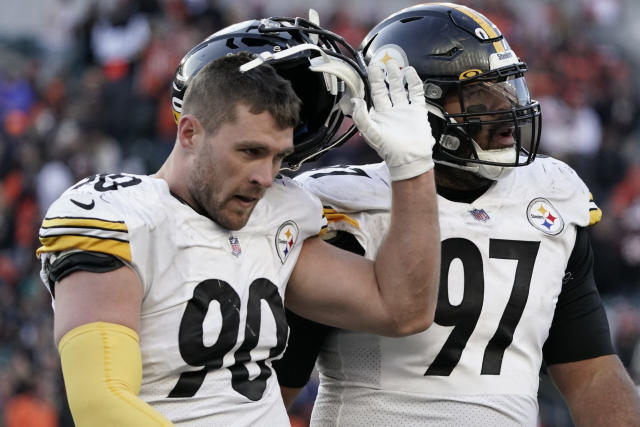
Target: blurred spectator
617 238
29 408
627 332
58 38
571 126
342 23
602 12
16 95
52 180
119 36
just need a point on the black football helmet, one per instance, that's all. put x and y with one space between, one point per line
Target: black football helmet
463 59
320 116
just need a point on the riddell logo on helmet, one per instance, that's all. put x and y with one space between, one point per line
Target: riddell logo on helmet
388 52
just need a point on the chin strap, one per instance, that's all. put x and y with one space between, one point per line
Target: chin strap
492 172
502 155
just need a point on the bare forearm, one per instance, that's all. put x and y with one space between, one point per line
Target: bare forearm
408 264
609 401
605 396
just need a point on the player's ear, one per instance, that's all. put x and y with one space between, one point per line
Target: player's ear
189 129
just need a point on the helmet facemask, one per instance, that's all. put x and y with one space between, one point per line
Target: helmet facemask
488 123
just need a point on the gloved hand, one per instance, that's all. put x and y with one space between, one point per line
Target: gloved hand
397 126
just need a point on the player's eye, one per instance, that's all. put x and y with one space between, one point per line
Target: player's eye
252 152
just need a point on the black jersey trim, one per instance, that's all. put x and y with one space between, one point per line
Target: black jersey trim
580 329
305 336
305 341
84 227
94 262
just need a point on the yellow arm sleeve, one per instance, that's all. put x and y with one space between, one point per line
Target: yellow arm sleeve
102 369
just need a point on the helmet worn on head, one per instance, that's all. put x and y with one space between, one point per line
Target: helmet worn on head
473 83
320 116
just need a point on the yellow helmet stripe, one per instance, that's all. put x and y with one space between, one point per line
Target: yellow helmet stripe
479 19
484 24
118 248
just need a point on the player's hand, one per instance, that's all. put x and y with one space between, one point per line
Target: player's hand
397 125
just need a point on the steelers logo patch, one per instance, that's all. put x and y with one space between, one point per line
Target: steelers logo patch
286 239
388 52
543 216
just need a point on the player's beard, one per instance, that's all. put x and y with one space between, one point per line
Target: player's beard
206 186
458 179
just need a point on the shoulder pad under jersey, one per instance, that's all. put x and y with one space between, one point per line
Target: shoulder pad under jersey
352 188
558 182
97 214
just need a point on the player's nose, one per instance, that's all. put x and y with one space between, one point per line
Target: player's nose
264 172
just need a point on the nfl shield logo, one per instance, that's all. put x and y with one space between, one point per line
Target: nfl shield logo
479 214
235 246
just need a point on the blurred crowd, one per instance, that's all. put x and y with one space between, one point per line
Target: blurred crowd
90 93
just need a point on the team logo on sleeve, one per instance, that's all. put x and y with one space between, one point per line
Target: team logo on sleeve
543 216
286 238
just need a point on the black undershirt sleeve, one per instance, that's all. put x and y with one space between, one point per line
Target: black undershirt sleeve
305 340
94 262
580 329
307 337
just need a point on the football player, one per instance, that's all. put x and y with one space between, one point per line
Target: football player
168 289
516 279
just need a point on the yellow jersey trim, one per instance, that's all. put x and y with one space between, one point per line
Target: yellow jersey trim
84 223
595 214
67 242
333 216
484 24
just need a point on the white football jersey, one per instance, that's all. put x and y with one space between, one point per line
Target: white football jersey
503 262
212 315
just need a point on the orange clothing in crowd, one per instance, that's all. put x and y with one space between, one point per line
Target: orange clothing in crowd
25 410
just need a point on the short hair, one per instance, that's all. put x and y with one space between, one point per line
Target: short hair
220 85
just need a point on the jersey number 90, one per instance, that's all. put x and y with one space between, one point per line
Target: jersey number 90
196 353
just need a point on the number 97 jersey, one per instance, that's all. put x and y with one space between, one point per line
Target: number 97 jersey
504 257
212 314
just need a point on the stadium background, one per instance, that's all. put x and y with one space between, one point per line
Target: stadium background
84 89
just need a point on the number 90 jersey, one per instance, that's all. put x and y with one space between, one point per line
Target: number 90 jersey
503 261
212 314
